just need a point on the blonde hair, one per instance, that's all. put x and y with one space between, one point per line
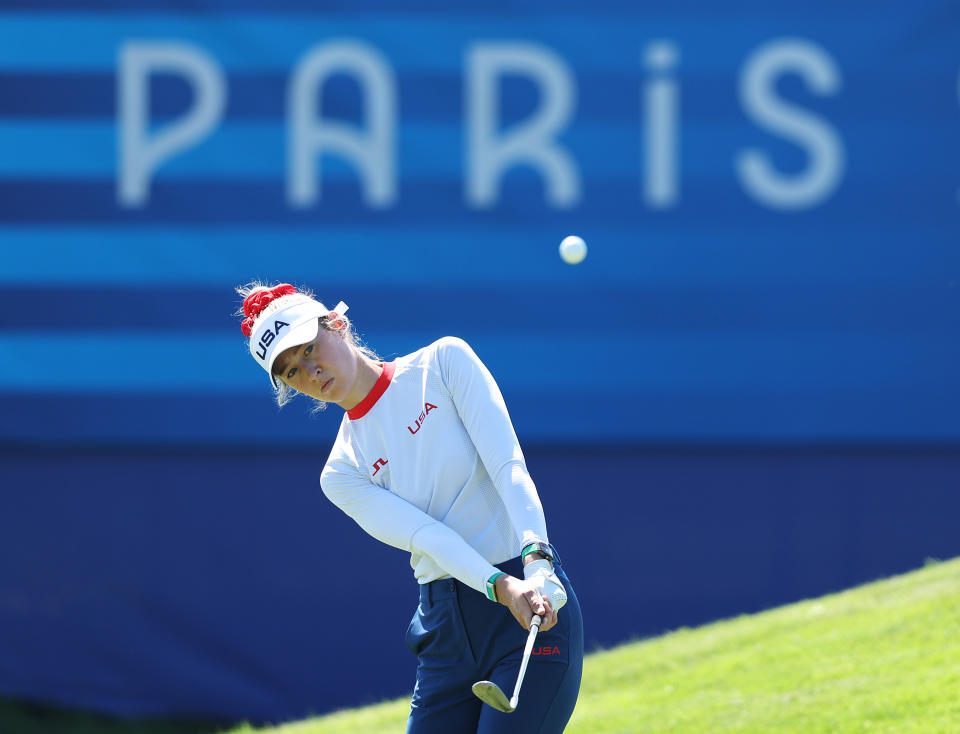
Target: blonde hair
284 394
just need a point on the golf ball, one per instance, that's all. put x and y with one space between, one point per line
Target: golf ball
573 249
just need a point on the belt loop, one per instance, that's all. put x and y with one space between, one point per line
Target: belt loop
429 591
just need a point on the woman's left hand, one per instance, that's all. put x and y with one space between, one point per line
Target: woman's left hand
542 573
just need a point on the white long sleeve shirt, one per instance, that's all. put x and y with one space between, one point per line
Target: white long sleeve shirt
429 462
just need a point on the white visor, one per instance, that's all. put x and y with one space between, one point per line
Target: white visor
295 323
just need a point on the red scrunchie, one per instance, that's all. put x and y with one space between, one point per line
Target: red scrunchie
259 300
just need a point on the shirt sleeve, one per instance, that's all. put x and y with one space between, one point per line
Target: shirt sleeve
484 414
394 521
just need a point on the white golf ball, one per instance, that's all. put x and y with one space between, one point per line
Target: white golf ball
573 249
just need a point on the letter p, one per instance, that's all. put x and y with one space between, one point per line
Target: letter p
140 153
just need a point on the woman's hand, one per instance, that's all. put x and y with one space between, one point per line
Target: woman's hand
523 600
542 574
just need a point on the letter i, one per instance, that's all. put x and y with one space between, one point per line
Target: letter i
660 115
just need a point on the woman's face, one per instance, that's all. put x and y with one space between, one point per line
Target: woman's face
325 368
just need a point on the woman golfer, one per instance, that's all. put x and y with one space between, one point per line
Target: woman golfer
427 460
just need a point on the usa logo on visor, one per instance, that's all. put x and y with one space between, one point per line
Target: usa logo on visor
266 339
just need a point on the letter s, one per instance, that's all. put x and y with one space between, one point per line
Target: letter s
821 141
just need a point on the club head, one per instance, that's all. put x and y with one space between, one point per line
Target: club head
491 695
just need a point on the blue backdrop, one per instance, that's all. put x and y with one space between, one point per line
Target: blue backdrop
753 374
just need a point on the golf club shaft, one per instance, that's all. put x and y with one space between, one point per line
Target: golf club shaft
534 628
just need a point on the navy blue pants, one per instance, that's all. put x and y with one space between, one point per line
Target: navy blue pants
461 637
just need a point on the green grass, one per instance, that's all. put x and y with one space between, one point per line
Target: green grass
879 659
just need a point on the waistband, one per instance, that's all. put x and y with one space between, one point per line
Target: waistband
446 588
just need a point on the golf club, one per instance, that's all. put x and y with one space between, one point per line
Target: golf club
490 693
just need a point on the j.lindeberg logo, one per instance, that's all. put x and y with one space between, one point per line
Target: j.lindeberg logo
267 339
427 407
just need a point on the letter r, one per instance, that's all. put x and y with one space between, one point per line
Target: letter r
531 142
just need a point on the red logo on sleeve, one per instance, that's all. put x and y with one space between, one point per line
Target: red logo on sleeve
378 465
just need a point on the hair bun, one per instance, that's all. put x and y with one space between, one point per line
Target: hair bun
258 300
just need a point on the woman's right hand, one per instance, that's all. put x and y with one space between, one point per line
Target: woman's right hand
523 600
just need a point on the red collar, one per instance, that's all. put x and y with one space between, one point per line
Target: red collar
363 407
